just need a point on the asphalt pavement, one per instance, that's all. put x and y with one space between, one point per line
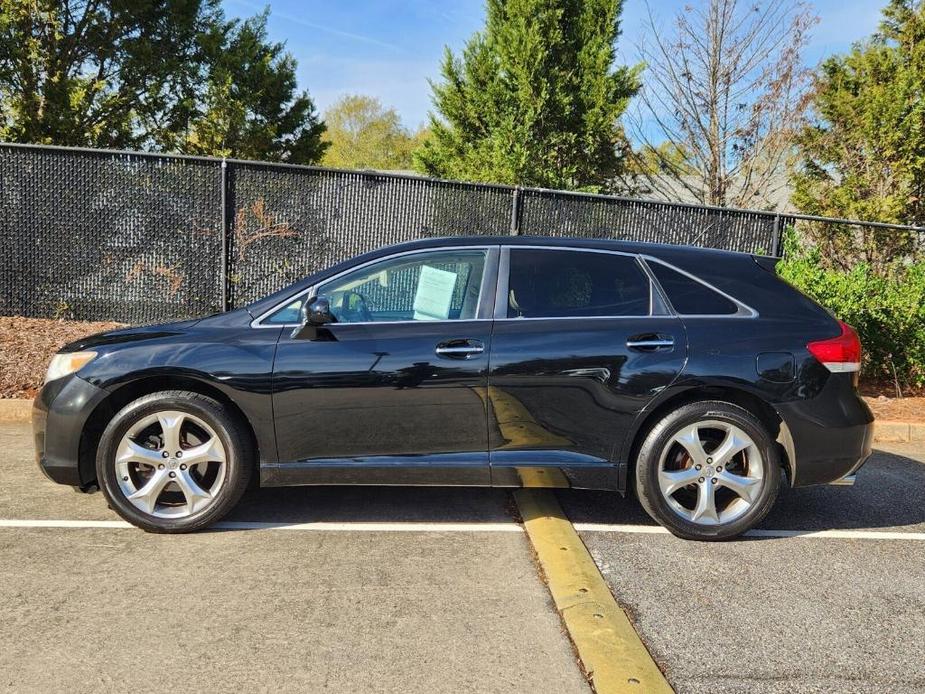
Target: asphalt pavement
423 610
447 596
781 614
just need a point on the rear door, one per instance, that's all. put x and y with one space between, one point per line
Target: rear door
582 342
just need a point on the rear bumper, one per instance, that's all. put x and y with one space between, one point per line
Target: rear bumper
831 434
59 413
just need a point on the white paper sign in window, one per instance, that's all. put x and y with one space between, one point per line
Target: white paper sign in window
434 294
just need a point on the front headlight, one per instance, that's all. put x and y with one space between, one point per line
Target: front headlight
63 364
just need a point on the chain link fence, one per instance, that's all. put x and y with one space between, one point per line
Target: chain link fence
140 238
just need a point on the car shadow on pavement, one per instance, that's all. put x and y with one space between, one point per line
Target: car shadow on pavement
889 494
374 504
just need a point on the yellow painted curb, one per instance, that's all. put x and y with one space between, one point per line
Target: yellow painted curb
608 646
15 410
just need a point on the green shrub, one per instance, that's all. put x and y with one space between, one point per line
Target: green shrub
887 308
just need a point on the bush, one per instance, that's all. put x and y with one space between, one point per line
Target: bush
887 307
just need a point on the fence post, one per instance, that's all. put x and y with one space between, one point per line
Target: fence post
226 237
516 209
775 237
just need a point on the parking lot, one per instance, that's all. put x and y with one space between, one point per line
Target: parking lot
437 590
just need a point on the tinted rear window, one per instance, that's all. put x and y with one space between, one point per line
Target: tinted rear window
690 297
557 284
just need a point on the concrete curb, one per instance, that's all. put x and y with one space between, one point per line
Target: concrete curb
899 432
885 431
15 410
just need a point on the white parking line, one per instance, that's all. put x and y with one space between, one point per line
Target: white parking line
419 527
835 534
414 527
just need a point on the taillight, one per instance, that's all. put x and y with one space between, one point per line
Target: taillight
838 354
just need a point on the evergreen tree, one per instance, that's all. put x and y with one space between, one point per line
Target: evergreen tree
863 152
535 99
97 73
163 75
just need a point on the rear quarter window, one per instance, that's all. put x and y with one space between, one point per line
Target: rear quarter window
690 297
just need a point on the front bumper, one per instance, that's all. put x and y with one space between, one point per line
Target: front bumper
59 414
831 434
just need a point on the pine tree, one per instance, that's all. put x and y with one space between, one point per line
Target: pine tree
863 152
535 99
161 75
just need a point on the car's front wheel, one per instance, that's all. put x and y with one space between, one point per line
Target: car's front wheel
708 471
173 462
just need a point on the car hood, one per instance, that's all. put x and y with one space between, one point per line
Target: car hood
134 334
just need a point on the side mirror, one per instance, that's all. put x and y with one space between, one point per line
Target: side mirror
315 313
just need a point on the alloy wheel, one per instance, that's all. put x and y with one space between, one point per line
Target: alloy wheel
711 472
171 464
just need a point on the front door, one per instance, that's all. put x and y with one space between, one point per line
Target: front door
393 391
581 344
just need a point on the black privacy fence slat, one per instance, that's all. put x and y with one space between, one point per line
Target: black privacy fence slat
554 213
291 222
142 238
108 236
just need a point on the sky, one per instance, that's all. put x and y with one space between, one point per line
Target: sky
390 48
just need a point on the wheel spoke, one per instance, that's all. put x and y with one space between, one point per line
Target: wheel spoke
689 438
733 444
195 495
746 487
131 452
208 452
705 511
171 424
672 481
146 497
172 481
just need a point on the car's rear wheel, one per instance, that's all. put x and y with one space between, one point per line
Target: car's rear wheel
173 462
708 471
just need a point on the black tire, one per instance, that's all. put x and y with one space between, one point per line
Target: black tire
647 466
232 433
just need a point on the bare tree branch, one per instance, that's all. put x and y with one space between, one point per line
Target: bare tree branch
726 86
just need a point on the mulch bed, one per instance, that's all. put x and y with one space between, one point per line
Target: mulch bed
26 346
908 409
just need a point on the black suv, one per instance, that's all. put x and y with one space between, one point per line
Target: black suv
696 377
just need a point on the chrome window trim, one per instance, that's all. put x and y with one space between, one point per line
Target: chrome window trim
744 310
501 288
258 324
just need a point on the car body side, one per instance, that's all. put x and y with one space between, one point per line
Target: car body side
760 362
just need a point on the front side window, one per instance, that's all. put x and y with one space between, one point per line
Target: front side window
550 283
440 285
289 314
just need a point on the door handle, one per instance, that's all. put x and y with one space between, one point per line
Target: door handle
459 349
650 342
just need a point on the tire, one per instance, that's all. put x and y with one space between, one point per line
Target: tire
152 487
676 493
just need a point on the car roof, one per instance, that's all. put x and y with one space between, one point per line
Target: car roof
638 247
